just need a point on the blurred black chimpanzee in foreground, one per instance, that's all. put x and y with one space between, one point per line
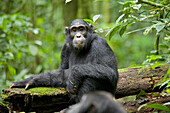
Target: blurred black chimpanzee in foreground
87 64
97 102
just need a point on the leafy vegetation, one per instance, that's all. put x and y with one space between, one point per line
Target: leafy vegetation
155 18
156 106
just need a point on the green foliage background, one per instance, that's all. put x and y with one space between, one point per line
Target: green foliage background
32 35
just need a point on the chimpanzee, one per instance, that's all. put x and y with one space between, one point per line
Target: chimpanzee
87 64
97 102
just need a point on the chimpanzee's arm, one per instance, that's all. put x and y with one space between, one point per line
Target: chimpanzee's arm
21 84
54 78
98 72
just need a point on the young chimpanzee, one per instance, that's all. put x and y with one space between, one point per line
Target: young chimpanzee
87 64
97 102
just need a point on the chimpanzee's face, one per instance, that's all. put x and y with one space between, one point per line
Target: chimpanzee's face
77 31
78 34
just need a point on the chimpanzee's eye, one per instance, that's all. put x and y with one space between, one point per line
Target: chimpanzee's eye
74 30
81 29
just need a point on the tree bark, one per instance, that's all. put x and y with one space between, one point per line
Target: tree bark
133 80
45 100
69 11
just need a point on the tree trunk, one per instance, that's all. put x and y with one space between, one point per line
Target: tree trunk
70 11
84 9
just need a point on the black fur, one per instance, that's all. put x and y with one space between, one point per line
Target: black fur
97 102
81 71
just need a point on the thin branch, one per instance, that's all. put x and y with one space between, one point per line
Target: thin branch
157 44
153 4
21 7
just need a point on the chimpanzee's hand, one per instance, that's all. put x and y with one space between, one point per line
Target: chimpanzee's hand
71 88
18 84
27 83
74 80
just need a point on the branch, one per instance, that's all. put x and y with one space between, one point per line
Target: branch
157 44
21 7
153 4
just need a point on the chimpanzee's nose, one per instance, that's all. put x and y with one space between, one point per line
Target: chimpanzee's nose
78 35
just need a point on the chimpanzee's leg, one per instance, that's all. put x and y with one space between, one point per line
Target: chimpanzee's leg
87 86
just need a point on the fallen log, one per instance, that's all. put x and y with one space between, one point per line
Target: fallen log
39 100
46 100
133 80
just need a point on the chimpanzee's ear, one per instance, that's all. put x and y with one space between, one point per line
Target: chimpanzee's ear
66 29
91 27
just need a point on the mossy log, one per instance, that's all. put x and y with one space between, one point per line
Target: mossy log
46 100
39 100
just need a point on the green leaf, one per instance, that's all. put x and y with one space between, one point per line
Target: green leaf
168 103
137 6
12 70
143 17
167 38
155 57
38 69
120 17
155 106
38 42
165 83
140 94
122 30
163 46
147 30
4 24
67 1
21 74
17 23
153 51
33 49
112 31
159 27
89 21
13 17
9 55
36 30
3 35
155 65
168 72
96 17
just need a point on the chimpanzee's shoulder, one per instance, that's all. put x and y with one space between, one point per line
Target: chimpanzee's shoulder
99 40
